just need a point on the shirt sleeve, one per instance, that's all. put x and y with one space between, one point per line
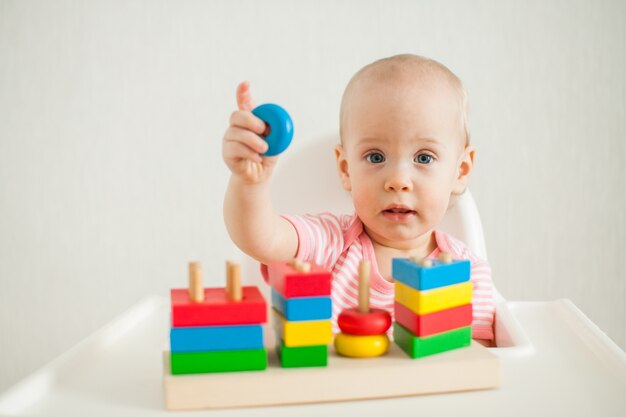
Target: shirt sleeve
483 308
320 238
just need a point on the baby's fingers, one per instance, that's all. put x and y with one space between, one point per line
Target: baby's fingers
236 152
244 97
247 120
247 138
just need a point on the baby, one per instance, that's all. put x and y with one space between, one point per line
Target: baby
404 152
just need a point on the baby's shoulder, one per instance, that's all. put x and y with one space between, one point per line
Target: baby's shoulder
349 220
456 247
343 221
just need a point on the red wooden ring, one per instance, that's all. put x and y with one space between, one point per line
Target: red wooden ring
351 321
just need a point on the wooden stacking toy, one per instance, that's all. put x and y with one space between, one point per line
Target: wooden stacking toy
433 304
303 377
217 329
302 310
363 330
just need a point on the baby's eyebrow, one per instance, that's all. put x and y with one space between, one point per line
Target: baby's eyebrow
431 141
369 140
426 140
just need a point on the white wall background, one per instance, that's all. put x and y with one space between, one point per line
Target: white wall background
112 114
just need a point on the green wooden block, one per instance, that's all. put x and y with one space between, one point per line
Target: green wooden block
302 356
418 347
218 361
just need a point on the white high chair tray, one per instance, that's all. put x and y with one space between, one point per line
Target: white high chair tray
565 366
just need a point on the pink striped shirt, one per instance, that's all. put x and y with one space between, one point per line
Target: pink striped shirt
339 243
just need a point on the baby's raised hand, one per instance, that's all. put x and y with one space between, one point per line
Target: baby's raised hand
242 146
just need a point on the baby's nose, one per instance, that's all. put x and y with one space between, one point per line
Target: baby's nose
398 180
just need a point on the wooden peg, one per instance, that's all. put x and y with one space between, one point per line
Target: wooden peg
229 265
233 281
303 267
196 291
300 266
364 287
425 262
445 257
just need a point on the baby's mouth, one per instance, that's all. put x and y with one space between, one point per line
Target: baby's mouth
399 214
399 211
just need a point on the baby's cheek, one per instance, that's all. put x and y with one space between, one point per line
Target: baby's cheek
435 205
361 198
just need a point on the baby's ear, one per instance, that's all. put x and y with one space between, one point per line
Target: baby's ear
342 167
463 170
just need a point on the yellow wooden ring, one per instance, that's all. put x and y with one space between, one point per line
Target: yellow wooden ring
361 346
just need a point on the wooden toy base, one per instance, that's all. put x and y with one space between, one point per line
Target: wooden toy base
391 375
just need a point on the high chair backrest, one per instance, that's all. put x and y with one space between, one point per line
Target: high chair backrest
462 221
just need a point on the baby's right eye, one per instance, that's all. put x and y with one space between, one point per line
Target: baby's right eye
375 158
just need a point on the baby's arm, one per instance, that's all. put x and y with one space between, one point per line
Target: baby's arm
248 212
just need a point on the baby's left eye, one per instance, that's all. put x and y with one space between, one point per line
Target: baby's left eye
423 158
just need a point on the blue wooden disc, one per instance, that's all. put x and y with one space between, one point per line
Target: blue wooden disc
281 127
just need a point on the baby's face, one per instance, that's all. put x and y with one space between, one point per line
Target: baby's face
401 153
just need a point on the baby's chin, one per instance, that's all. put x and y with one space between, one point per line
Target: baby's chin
396 235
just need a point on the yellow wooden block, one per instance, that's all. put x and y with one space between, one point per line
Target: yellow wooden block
430 301
302 333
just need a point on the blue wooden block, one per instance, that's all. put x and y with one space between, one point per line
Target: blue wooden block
302 308
426 278
216 338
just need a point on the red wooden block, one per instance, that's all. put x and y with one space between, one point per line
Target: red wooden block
433 323
217 309
353 322
291 283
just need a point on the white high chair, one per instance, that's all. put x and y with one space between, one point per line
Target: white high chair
574 359
462 221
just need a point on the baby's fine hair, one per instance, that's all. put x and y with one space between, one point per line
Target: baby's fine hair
415 65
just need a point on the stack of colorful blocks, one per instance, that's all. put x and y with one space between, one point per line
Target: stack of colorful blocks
217 329
302 309
433 305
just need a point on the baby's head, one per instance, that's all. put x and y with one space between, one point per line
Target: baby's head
404 146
